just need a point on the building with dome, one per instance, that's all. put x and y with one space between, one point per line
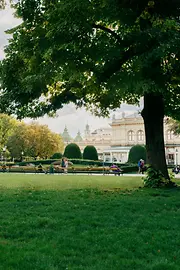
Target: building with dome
128 131
100 138
113 143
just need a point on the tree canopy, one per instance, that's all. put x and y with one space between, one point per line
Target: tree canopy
7 126
73 50
34 140
96 53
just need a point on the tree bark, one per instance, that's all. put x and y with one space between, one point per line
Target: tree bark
153 115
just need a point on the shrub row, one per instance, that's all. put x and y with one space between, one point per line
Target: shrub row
33 169
74 161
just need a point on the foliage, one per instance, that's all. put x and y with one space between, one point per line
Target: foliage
136 153
155 179
72 150
126 167
3 4
56 156
33 140
7 126
26 168
90 153
174 125
96 54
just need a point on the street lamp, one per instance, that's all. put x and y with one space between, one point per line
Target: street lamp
4 153
176 156
22 153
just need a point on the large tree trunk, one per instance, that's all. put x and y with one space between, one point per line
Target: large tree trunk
153 115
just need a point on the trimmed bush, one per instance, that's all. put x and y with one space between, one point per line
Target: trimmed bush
58 169
73 160
90 153
56 156
72 150
136 153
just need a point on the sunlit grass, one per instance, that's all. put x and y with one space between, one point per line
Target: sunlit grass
88 223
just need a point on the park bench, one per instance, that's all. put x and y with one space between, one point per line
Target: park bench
116 171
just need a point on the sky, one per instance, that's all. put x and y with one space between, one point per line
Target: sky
74 119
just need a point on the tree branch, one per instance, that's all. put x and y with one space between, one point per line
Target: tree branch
108 30
114 65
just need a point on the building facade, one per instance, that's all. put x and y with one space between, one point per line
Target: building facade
128 131
100 138
114 143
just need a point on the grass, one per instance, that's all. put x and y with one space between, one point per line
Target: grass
88 223
62 182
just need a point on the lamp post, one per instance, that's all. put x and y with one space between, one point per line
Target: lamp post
4 154
22 153
176 156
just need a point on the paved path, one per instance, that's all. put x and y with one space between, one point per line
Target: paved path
96 174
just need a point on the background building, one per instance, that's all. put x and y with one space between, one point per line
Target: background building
128 131
100 138
114 143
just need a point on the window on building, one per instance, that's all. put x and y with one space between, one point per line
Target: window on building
170 134
130 135
140 135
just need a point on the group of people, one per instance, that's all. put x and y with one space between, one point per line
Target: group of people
64 164
141 166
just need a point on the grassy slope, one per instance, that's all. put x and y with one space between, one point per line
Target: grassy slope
91 229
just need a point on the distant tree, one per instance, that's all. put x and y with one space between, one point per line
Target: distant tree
18 141
56 156
72 150
34 140
136 153
7 126
90 152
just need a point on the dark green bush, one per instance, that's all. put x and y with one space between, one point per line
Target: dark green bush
155 179
72 150
90 153
136 153
57 169
74 161
56 156
37 162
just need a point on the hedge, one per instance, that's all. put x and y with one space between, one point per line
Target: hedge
35 169
73 160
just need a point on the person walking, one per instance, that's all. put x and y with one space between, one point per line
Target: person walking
66 166
139 166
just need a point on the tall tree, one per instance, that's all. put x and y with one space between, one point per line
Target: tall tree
34 140
96 53
18 142
7 126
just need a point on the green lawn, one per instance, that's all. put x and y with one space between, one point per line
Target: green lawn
87 223
62 182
